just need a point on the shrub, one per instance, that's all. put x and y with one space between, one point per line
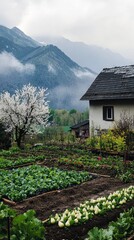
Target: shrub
108 141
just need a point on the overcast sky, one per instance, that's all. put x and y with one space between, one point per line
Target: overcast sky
106 23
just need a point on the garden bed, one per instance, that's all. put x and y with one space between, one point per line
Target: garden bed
56 201
59 200
79 232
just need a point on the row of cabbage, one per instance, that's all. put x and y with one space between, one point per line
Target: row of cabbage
6 163
88 209
86 159
18 184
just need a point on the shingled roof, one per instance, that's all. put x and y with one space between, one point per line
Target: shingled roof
78 125
112 83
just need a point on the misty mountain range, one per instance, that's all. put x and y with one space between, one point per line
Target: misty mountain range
24 60
91 56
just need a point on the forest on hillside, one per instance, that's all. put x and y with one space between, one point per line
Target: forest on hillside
62 117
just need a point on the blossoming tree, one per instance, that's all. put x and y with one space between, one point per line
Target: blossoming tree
23 111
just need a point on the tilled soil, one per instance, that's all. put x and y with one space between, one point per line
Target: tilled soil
57 201
79 232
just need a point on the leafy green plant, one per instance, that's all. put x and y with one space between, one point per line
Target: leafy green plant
23 227
5 213
126 177
100 234
27 227
5 163
18 184
92 142
119 229
14 149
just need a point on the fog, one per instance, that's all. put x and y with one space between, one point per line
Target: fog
10 64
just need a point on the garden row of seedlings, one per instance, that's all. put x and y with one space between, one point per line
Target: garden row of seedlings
85 211
68 219
10 159
21 183
75 223
78 158
27 226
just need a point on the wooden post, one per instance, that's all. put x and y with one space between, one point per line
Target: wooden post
8 228
100 142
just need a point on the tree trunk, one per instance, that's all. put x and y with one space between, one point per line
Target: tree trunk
18 140
18 136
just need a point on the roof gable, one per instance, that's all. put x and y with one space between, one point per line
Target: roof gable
112 83
78 125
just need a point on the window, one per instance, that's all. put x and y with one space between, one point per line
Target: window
108 113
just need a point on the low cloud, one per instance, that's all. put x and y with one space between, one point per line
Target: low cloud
9 64
70 97
82 74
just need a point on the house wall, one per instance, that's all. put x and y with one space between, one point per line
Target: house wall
96 113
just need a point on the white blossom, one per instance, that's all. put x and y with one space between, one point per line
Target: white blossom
23 111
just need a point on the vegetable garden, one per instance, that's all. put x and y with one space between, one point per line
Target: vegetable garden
65 192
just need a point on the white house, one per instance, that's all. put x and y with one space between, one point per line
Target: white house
110 95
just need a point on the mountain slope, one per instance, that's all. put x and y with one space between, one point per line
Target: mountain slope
16 42
18 37
65 79
26 61
91 56
11 47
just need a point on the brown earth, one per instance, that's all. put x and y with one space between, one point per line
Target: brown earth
57 201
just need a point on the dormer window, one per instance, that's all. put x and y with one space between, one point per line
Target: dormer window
108 113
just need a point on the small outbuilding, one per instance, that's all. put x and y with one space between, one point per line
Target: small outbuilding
81 129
